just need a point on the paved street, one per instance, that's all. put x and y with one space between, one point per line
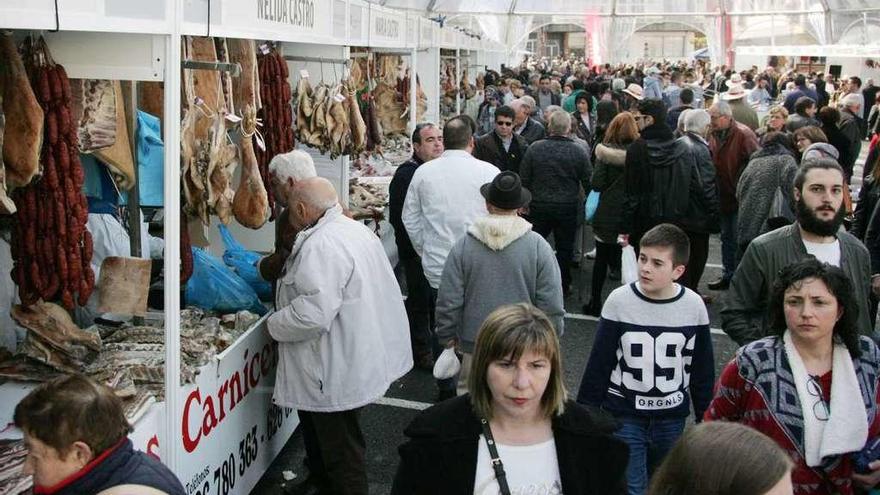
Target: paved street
383 422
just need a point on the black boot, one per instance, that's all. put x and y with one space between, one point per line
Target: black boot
593 308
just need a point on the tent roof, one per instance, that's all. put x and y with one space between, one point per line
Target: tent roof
581 7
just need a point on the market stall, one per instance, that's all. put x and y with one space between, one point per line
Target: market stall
74 146
176 109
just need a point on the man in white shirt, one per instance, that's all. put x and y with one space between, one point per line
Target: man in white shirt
442 201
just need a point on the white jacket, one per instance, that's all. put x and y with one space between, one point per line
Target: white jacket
442 201
342 328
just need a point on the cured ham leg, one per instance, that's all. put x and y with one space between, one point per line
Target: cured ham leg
7 206
24 117
251 203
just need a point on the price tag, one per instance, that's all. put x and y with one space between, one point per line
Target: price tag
233 118
304 74
264 48
339 98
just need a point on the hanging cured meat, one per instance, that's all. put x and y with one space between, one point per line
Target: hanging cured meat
51 247
7 206
221 165
356 121
24 117
94 109
338 127
251 202
118 157
203 85
276 113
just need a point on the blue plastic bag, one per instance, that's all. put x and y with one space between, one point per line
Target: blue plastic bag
150 162
215 287
591 205
244 263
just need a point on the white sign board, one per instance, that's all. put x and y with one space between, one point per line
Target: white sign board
231 431
279 20
387 28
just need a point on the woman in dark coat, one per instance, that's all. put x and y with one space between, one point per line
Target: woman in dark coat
517 401
608 180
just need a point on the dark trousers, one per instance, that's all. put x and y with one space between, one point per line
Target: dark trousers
418 306
697 261
607 254
560 219
336 451
448 384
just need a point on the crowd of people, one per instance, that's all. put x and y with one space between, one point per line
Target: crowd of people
676 154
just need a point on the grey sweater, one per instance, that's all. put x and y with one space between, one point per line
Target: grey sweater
499 261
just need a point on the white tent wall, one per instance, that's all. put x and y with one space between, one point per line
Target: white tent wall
428 68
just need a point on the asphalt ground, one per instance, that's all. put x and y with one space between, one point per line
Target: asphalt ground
383 422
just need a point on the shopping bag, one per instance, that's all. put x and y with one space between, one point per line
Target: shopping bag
244 263
591 205
629 267
447 364
215 287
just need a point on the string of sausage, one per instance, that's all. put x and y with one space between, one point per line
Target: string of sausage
276 114
52 248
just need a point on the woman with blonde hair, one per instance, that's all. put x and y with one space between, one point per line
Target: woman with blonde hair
515 431
774 121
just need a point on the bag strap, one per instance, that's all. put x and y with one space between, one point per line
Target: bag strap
497 465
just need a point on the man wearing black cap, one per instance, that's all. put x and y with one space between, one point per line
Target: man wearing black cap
499 261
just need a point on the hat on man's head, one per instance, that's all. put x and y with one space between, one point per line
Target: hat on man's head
634 90
735 92
506 191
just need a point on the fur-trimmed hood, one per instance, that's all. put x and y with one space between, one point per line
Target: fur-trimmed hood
611 155
499 231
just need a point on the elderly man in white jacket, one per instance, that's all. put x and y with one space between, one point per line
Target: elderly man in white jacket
342 331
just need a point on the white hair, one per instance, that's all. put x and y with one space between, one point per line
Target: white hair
550 110
317 193
851 100
696 121
559 124
528 100
723 108
295 165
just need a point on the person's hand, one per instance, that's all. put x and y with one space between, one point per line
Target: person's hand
875 285
870 480
623 240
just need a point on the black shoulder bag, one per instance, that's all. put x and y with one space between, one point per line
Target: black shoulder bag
497 465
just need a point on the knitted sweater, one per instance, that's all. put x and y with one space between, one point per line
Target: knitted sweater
754 389
650 357
769 167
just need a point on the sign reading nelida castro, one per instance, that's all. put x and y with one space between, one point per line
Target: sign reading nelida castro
299 13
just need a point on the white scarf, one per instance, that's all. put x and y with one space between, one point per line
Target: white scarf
846 429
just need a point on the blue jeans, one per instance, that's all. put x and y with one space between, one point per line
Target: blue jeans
649 441
729 245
